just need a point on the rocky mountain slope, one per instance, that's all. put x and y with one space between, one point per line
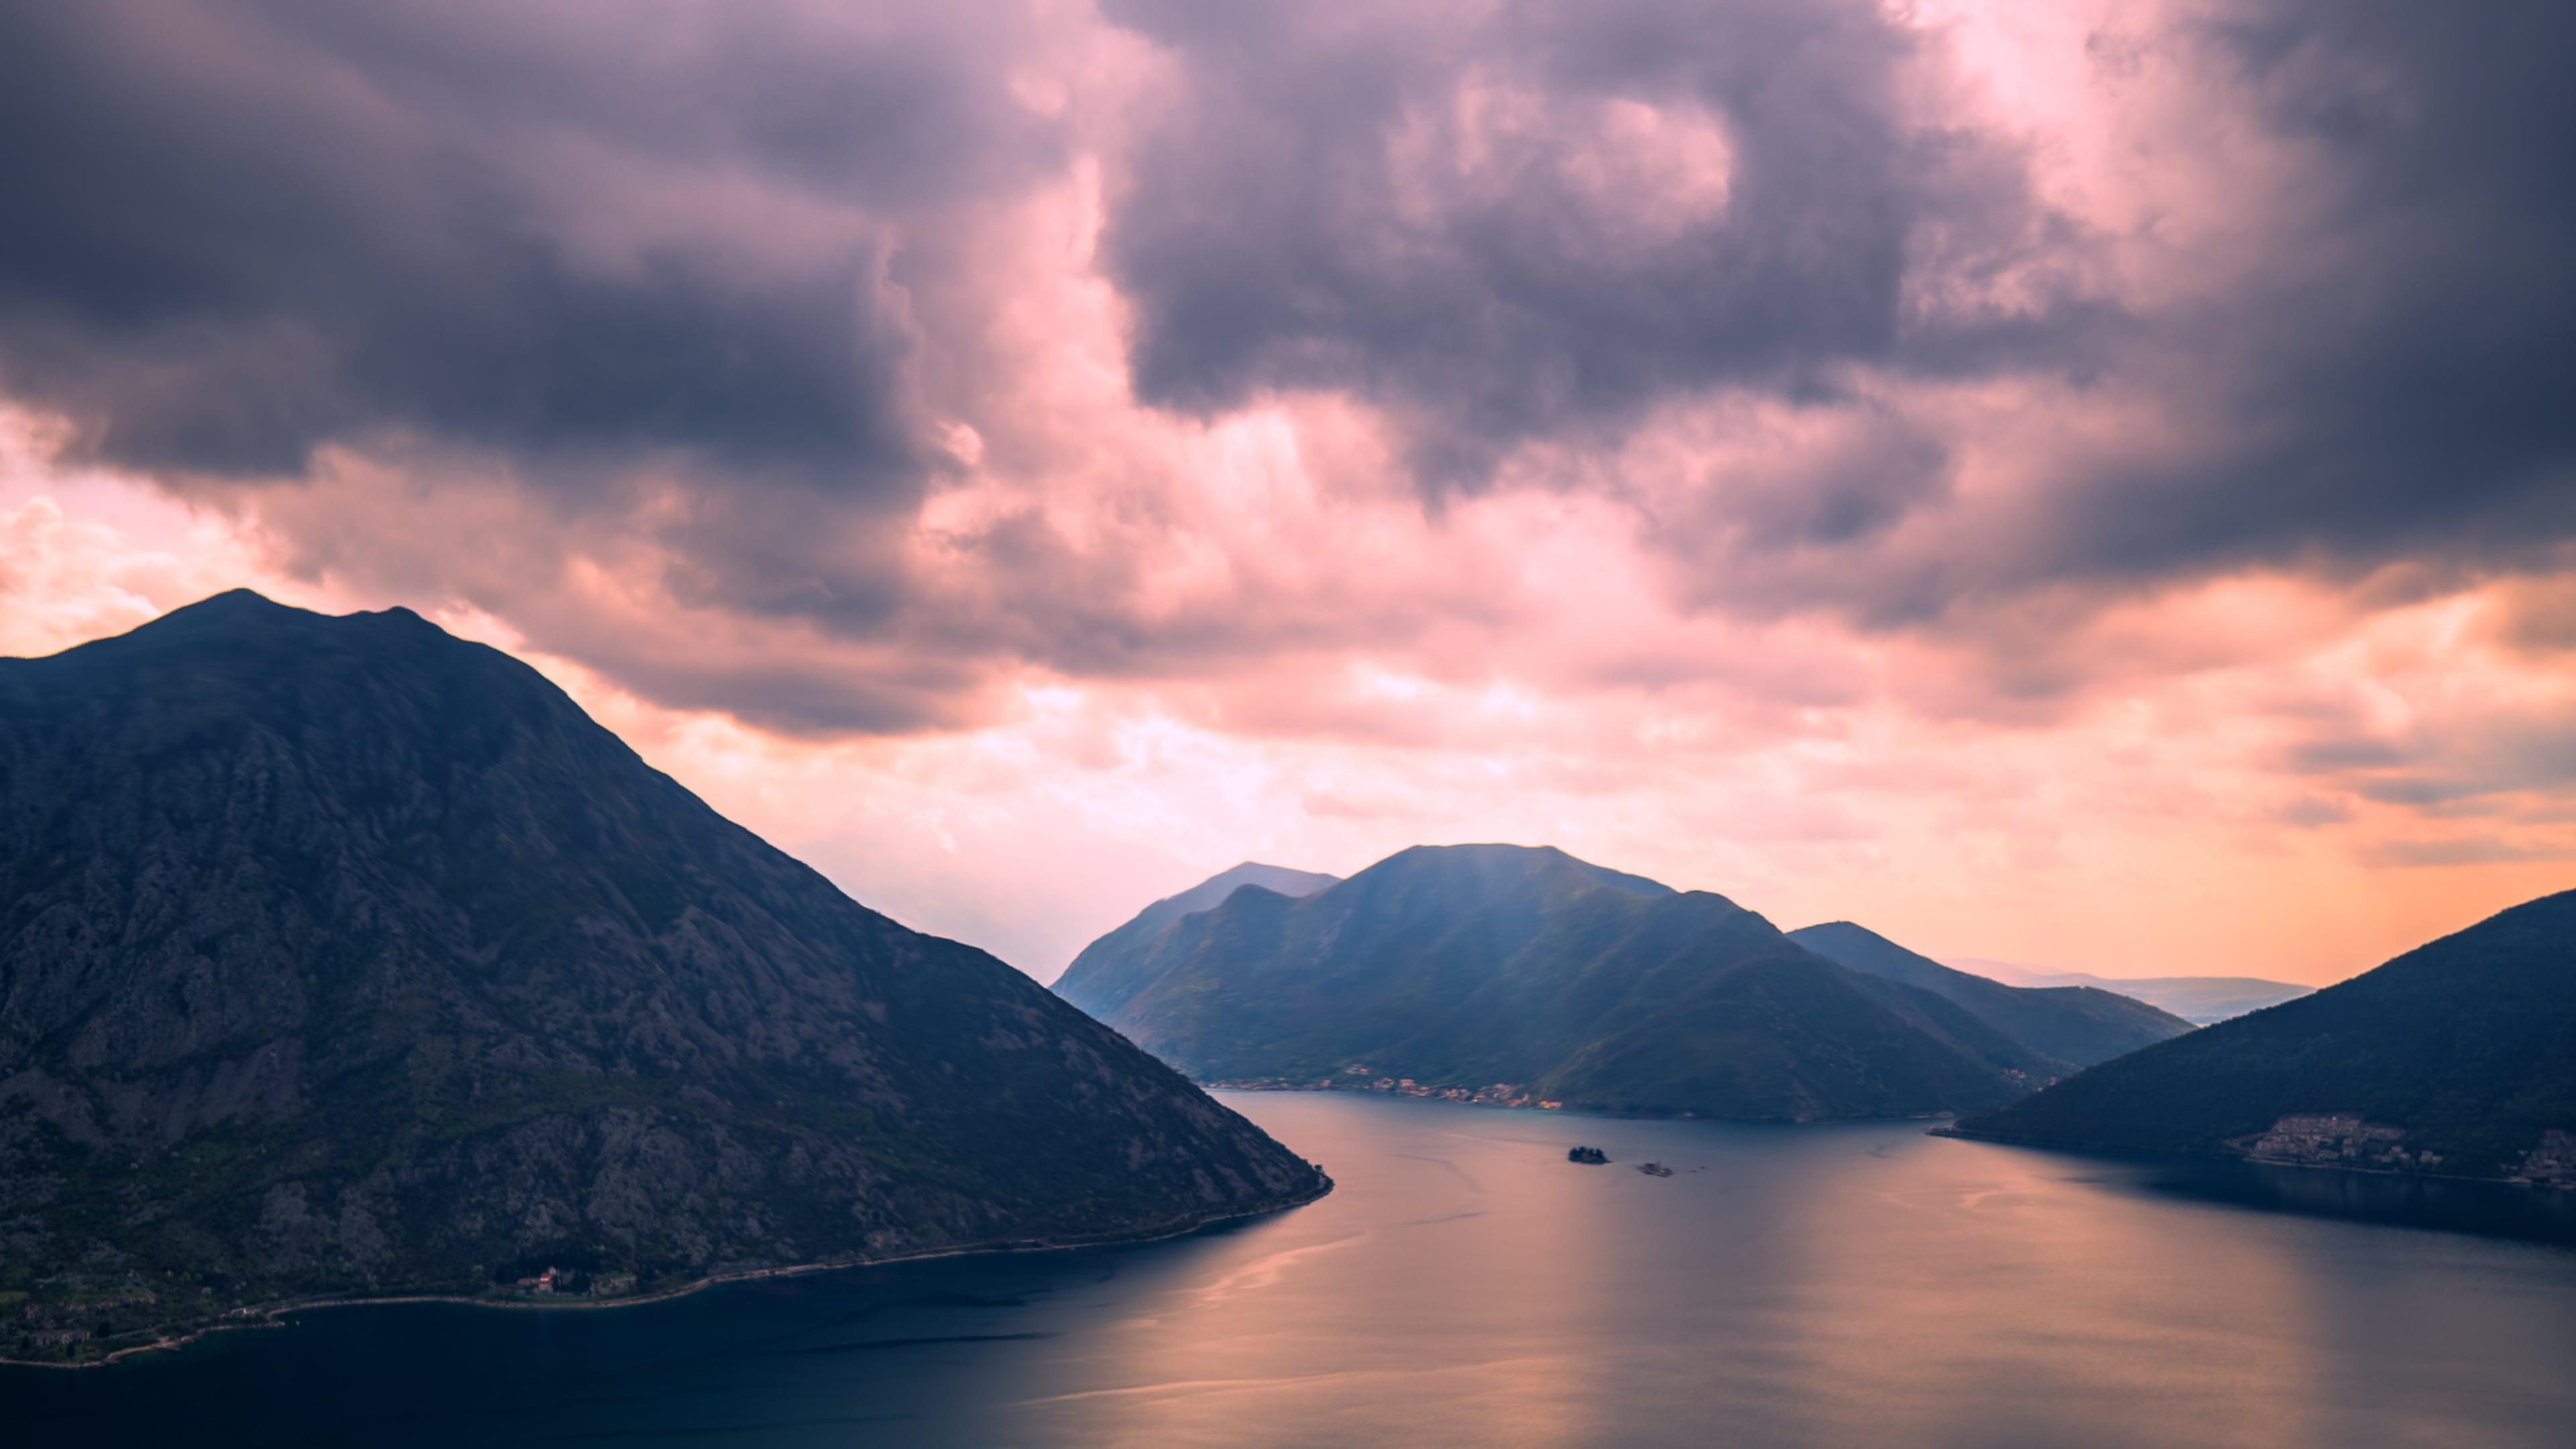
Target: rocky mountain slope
2077 1025
2458 1057
338 955
1525 974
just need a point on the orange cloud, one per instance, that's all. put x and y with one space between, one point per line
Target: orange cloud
2012 476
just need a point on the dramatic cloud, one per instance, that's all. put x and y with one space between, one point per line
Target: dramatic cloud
240 232
1983 456
1508 223
640 267
1440 213
2388 378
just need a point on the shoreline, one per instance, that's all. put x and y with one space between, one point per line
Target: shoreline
1560 1109
2188 1155
269 1316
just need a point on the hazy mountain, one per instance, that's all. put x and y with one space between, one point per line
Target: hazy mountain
1463 967
2078 1025
2199 1000
2455 1057
341 954
1113 969
1206 895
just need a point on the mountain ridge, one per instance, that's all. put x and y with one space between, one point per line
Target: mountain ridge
2449 1058
1473 969
2080 1026
1206 895
2200 1000
339 955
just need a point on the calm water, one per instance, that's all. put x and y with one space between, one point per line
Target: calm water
1468 1286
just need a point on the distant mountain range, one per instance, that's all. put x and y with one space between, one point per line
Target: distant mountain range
2079 1025
338 955
2458 1057
1507 973
2199 1000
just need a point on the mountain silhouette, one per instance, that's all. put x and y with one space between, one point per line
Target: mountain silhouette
2075 1024
1148 923
342 955
1475 967
2200 1000
2453 1058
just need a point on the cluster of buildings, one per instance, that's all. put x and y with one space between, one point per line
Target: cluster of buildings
2335 1139
2553 1162
1500 1094
557 1280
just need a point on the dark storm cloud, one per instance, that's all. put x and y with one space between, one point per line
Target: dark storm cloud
2398 377
1301 220
2402 381
690 292
239 231
2503 752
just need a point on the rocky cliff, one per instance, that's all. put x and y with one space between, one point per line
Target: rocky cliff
338 955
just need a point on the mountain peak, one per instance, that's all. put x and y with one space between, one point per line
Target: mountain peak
246 605
1207 895
1510 972
239 619
1501 864
232 599
233 608
482 989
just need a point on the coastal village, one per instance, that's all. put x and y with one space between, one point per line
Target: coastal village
2347 1140
1359 1077
560 1282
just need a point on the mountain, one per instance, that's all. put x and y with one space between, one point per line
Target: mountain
2454 1058
2200 1000
1506 972
338 955
1112 970
2078 1025
1206 895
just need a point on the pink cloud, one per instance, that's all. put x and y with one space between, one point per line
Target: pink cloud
1917 480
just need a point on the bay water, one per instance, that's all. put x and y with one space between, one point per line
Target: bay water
1467 1285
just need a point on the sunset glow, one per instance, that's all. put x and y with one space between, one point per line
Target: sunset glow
2086 485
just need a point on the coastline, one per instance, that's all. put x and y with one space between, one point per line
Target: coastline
1561 1109
268 1316
2187 1155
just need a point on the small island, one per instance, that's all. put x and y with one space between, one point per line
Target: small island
1589 1156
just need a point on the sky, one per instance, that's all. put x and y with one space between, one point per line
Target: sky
2091 485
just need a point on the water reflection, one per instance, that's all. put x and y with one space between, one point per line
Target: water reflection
1468 1286
1995 1298
1428 1305
2487 1208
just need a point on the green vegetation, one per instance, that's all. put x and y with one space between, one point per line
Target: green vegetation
1464 967
2077 1025
1140 931
339 956
2464 1044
